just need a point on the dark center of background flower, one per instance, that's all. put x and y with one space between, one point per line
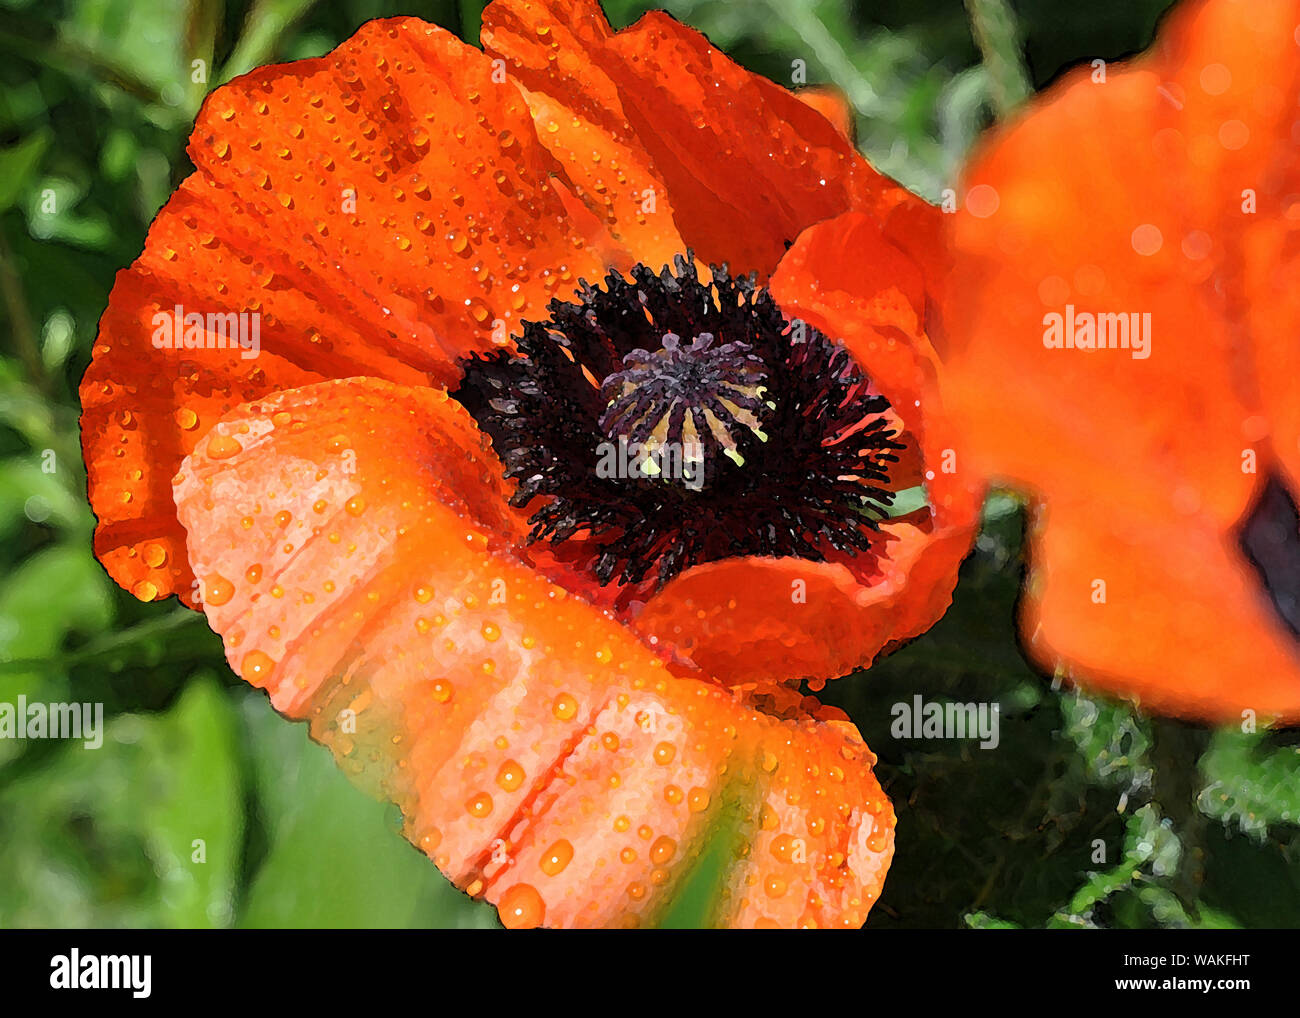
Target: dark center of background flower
1270 538
664 421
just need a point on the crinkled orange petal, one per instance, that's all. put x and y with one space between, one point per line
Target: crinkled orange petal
385 209
1135 196
745 165
579 112
771 620
753 620
349 538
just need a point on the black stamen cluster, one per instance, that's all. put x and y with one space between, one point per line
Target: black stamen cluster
812 476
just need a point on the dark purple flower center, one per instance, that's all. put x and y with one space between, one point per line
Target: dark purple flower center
665 421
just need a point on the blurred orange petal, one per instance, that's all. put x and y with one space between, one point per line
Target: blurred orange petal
1169 191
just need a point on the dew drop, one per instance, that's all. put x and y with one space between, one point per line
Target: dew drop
222 447
217 590
256 667
663 850
557 857
510 776
479 805
565 707
521 908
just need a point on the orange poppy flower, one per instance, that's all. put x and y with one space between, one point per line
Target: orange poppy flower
391 504
1124 316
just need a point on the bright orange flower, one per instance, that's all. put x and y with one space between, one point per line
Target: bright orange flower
580 690
1164 192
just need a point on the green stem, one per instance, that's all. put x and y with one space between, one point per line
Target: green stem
79 63
1176 748
993 24
21 326
829 53
175 619
260 40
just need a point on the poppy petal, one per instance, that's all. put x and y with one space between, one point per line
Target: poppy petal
381 210
771 620
1166 191
832 104
579 112
1180 624
542 754
746 165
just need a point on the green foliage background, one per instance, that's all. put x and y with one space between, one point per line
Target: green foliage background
96 100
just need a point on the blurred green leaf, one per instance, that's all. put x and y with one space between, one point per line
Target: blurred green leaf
993 24
153 42
984 921
263 33
58 590
18 165
1151 848
1169 912
29 494
1112 742
85 227
143 831
1250 783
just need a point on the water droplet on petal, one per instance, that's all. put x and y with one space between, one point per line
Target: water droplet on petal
222 447
565 707
479 805
256 667
510 776
217 590
555 858
521 908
